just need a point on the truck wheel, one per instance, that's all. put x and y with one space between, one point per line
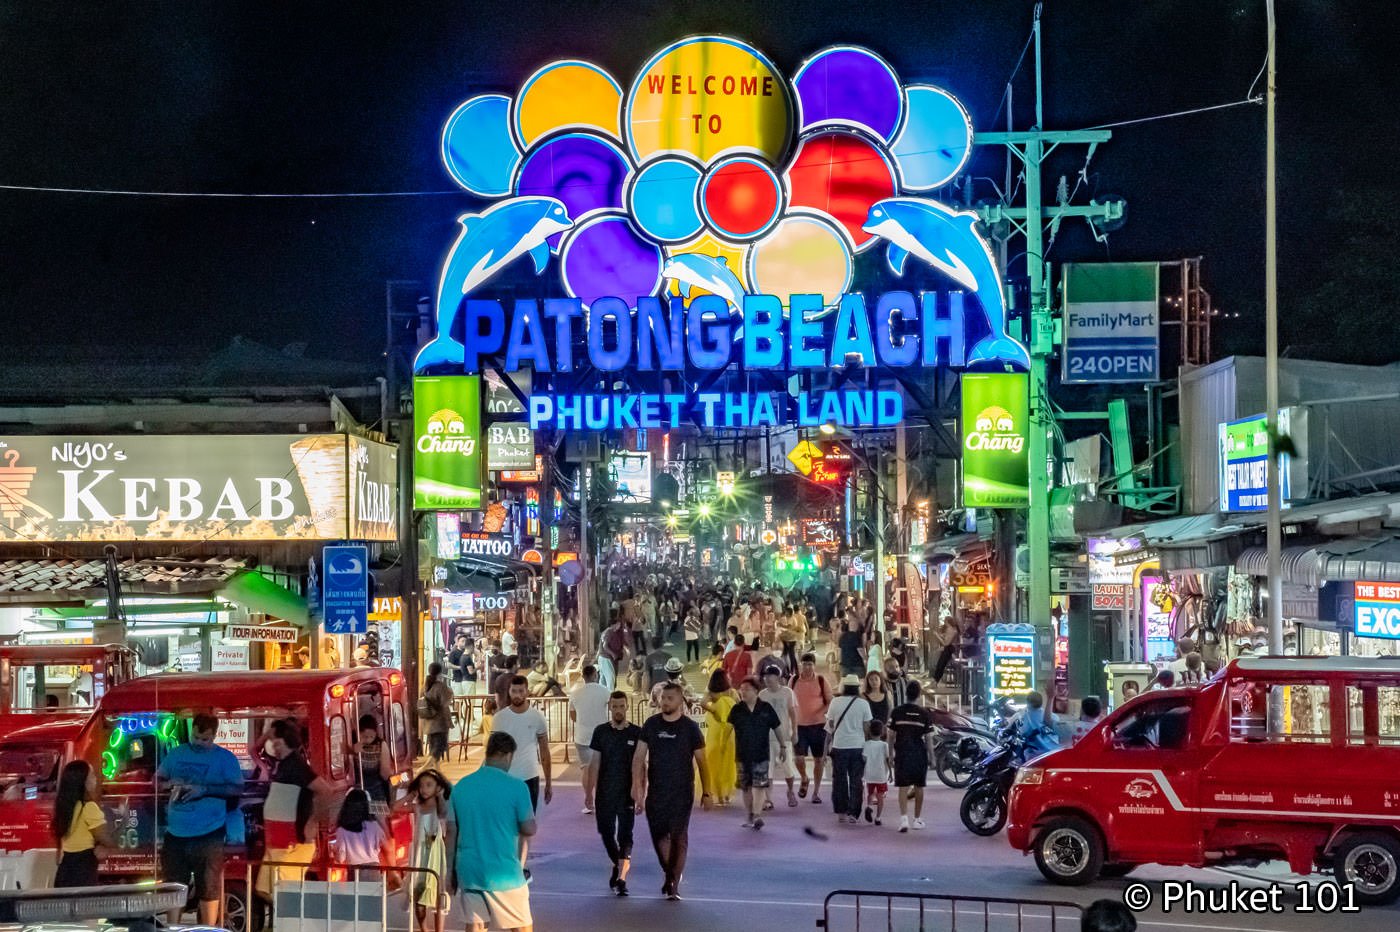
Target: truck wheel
1069 851
983 809
1370 862
242 913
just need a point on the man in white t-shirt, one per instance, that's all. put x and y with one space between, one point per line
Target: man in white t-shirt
846 719
780 696
588 708
531 733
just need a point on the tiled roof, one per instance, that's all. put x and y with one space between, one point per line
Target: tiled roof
73 578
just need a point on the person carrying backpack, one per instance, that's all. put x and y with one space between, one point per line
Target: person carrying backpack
435 713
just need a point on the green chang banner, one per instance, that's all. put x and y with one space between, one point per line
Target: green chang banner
995 421
447 463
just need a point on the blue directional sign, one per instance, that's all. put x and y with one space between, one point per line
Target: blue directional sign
345 588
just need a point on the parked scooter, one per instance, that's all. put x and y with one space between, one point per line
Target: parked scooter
984 805
960 742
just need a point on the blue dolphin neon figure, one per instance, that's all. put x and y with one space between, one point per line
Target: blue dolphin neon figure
695 270
489 241
948 240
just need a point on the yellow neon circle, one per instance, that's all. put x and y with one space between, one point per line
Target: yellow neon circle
706 96
566 94
804 255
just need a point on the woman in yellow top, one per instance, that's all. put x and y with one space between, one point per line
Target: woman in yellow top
78 826
719 736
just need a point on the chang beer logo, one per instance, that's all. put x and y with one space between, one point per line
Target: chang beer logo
447 433
995 430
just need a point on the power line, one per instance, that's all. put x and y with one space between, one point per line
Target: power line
1179 113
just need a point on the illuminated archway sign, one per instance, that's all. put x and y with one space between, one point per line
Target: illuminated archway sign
708 215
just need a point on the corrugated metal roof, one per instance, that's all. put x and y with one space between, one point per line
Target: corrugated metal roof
37 580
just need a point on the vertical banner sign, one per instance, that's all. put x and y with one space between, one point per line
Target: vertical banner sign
345 570
1010 661
996 420
1111 322
447 442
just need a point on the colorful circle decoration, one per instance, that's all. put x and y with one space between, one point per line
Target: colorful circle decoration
805 254
477 148
741 198
842 174
847 86
606 255
586 172
662 199
566 95
708 96
936 140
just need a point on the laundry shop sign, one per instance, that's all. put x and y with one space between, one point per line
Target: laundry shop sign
227 487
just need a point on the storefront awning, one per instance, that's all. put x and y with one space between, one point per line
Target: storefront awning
1374 559
256 592
46 582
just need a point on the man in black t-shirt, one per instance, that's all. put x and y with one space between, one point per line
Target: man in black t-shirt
663 782
607 787
753 719
656 664
849 642
911 724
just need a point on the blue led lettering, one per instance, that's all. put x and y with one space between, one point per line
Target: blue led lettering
896 350
938 329
656 334
563 310
616 358
526 341
763 339
801 329
708 338
482 342
852 335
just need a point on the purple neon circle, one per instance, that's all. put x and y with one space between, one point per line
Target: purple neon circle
606 257
586 172
850 86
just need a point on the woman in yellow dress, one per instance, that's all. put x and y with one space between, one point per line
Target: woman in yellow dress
719 736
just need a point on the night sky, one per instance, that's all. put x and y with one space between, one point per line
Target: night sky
244 97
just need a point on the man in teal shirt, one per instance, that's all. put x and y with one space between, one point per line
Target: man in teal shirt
494 817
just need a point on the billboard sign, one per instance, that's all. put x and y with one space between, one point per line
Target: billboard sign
995 429
632 473
1010 661
714 192
1104 567
510 447
207 488
1112 326
1244 460
345 593
447 462
1109 597
1376 612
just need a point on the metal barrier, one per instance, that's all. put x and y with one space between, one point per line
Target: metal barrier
351 899
467 709
937 912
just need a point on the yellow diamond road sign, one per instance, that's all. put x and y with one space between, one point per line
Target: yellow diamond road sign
805 456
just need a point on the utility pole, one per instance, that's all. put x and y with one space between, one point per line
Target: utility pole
1274 534
1031 147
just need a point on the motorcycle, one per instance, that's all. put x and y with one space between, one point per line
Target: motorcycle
984 805
959 742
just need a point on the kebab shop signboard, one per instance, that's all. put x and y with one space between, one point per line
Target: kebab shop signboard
1376 613
208 488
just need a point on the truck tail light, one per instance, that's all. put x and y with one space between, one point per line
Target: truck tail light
1030 776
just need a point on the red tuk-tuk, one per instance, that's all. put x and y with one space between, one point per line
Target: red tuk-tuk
1276 758
55 679
139 720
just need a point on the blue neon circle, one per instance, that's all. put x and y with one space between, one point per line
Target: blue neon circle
662 200
478 150
936 139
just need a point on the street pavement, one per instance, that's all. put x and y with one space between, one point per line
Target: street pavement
777 879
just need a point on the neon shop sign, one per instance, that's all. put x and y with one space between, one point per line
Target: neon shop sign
713 214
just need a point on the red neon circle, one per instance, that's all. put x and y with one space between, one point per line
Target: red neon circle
742 198
843 175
